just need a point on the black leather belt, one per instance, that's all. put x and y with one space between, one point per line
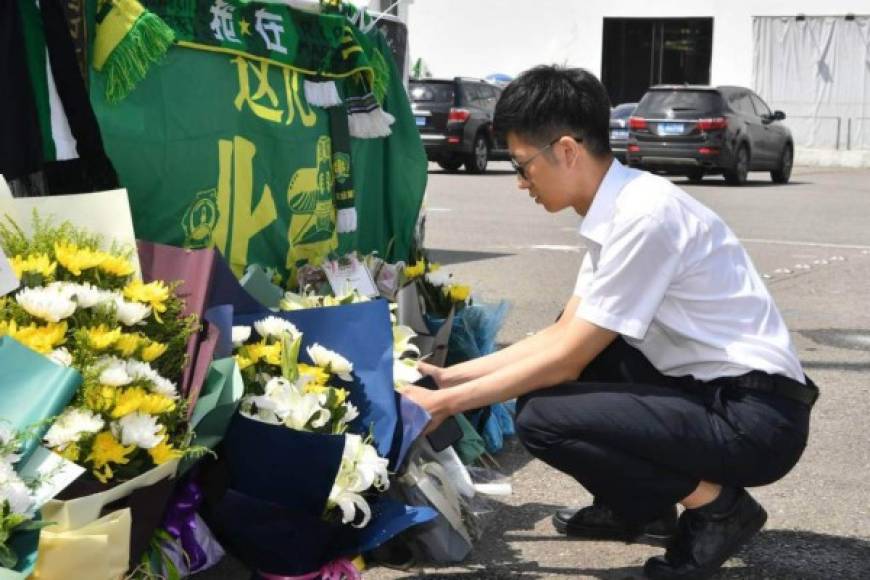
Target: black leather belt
776 385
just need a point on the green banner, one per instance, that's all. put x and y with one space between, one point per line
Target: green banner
223 151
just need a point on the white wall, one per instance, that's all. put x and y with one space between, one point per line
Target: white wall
480 37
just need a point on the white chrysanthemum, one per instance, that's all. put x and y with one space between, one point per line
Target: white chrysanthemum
272 326
61 356
45 303
131 313
139 370
71 425
14 491
139 429
115 376
85 295
405 372
331 361
241 334
438 278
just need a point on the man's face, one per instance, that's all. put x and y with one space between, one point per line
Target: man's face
542 172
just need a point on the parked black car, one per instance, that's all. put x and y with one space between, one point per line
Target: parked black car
454 117
698 130
619 128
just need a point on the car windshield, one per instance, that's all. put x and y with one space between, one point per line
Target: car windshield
681 104
623 111
432 92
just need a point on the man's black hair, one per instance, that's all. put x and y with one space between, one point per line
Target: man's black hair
546 102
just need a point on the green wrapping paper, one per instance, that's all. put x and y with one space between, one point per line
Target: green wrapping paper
217 402
32 389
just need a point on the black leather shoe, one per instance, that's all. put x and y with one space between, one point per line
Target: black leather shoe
704 541
598 522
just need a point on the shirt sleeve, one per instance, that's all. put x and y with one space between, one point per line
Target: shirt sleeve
638 262
584 276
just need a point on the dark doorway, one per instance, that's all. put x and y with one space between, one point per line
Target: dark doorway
640 52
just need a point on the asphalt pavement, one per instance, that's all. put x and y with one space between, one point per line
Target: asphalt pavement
811 241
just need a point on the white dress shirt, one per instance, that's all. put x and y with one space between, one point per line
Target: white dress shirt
667 274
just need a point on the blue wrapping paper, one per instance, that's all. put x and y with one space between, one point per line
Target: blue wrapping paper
362 334
32 389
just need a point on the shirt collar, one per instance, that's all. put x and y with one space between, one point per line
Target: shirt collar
596 223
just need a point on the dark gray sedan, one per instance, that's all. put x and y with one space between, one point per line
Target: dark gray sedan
619 128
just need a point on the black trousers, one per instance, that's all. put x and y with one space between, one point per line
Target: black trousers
640 441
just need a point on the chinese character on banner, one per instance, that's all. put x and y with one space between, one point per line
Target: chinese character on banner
222 24
271 27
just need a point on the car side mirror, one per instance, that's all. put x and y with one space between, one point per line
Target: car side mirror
777 116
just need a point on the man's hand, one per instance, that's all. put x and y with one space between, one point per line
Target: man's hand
437 373
434 402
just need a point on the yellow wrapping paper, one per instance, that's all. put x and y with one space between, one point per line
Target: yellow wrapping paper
79 536
106 213
99 550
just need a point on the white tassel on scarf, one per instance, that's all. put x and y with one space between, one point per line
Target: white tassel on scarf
321 93
346 220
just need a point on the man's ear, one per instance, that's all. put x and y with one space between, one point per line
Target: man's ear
572 151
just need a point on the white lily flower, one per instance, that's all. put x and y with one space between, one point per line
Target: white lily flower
331 361
405 372
46 303
350 413
361 468
438 278
349 503
71 425
139 429
241 334
293 301
272 326
287 402
61 356
402 344
130 313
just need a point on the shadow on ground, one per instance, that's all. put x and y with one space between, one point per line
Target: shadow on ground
447 257
773 555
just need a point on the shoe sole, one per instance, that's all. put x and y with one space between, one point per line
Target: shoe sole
753 527
608 535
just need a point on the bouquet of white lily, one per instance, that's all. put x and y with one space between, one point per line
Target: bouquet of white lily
280 390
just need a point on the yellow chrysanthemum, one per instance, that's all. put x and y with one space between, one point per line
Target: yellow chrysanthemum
70 452
270 353
416 270
102 337
154 294
76 259
137 399
434 266
37 263
163 452
42 339
341 395
317 374
458 292
105 450
99 397
243 362
127 344
153 351
116 266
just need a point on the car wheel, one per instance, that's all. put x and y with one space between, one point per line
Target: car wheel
783 173
450 164
696 176
476 162
737 174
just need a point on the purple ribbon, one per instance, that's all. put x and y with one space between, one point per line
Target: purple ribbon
341 569
180 522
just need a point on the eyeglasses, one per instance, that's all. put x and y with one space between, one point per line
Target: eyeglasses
520 168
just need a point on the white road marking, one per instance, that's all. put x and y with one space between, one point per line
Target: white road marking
815 244
438 209
557 248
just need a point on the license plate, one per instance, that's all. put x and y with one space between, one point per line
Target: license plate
619 134
421 121
671 129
